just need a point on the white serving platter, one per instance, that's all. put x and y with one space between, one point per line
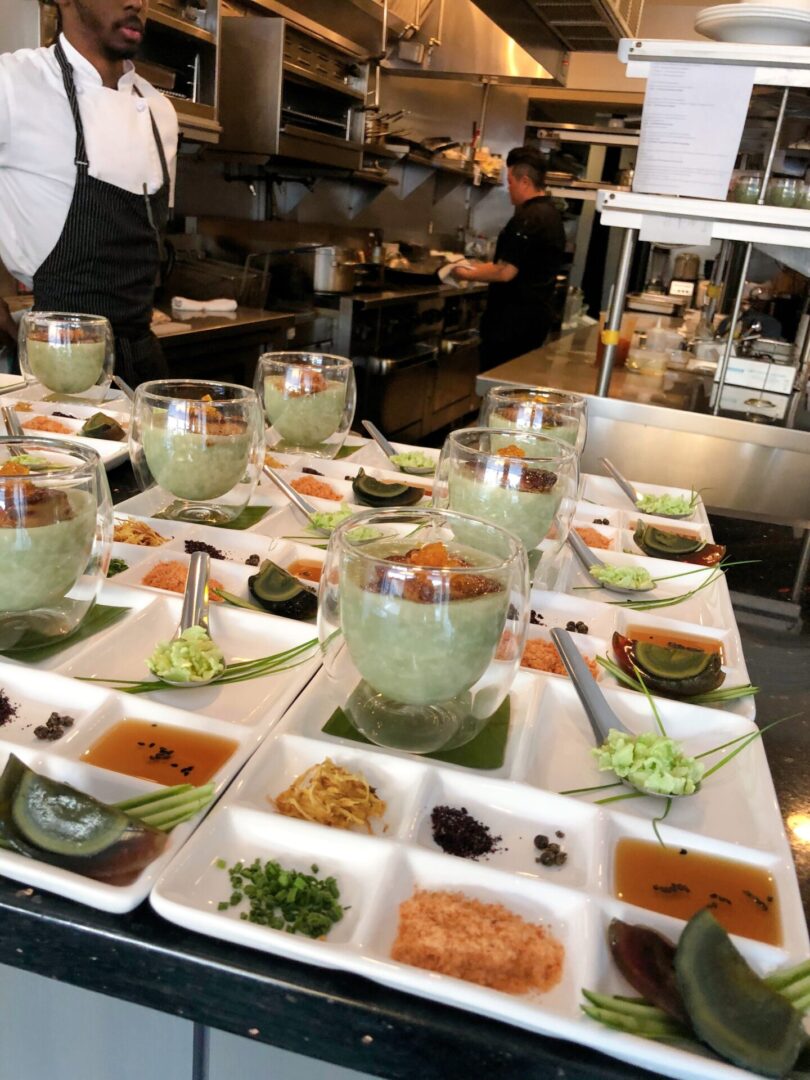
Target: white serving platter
604 491
711 606
549 747
112 453
94 710
121 652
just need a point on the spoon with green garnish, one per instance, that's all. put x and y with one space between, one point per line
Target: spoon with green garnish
391 453
636 578
668 504
652 764
191 656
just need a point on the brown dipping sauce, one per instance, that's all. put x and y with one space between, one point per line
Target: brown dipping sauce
741 897
162 753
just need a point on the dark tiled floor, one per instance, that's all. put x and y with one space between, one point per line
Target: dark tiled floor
779 662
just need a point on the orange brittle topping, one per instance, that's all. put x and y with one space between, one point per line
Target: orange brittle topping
426 586
512 451
304 380
14 468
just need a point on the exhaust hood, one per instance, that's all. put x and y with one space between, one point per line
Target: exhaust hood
577 25
455 39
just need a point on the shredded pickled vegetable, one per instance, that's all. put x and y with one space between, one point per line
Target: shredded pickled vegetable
331 795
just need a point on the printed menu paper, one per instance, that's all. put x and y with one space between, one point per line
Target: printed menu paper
691 128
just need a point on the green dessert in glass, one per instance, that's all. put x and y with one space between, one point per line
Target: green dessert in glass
67 366
195 451
516 496
46 538
306 414
422 636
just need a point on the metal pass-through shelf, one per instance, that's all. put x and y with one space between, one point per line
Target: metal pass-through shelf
726 220
783 65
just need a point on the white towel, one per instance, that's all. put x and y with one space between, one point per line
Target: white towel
182 303
446 276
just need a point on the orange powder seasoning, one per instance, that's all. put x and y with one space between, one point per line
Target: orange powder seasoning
483 943
543 656
172 577
592 537
45 423
318 489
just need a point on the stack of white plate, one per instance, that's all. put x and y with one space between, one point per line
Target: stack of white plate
764 22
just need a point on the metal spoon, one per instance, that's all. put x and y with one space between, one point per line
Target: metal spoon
390 452
600 715
295 498
124 387
11 421
631 492
588 559
195 606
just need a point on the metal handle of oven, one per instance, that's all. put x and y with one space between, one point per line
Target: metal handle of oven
420 354
466 339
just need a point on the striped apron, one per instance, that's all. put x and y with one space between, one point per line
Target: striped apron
107 257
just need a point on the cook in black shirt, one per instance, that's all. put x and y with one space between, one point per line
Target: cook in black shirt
528 255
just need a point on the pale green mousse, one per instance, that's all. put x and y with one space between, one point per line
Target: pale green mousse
528 514
418 653
41 564
193 657
653 762
566 431
70 368
623 577
194 466
304 420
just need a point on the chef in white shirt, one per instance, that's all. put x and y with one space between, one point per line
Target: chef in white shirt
87 160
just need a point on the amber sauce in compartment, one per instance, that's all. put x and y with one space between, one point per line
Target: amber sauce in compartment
742 898
664 638
308 569
160 752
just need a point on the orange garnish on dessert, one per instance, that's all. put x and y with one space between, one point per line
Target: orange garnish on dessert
14 468
512 451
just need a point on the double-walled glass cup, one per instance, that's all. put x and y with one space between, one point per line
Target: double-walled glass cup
55 538
67 353
201 443
423 627
519 480
556 413
308 399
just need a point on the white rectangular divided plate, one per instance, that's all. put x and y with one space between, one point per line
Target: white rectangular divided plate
243 712
548 751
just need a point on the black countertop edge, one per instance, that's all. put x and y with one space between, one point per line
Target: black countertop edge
319 1012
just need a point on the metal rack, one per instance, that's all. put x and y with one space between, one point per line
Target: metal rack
714 219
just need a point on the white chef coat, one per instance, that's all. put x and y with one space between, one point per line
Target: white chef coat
38 143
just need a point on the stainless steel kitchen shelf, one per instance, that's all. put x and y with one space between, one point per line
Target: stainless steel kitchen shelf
728 220
775 65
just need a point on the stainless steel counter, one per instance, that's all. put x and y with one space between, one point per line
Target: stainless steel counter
752 470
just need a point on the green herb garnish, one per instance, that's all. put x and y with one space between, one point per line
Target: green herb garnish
117 566
288 900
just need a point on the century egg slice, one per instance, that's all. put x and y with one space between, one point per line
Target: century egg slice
58 824
377 493
671 544
672 669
